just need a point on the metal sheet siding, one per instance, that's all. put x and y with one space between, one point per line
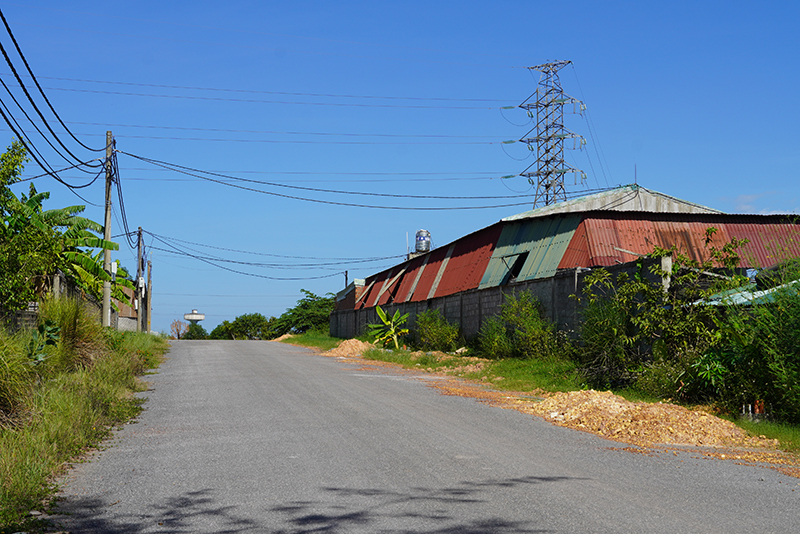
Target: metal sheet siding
377 282
469 261
429 275
548 244
407 282
603 235
577 252
769 244
545 241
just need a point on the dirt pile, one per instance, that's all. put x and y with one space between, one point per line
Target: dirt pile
639 423
349 348
281 338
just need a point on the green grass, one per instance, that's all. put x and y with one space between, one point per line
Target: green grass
788 435
531 374
315 339
71 402
508 374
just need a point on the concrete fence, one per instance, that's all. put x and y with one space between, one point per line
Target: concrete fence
61 287
470 309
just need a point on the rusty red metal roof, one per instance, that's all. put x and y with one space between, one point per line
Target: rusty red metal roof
468 261
604 239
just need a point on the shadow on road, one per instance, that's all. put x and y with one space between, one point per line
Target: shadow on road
419 510
190 512
467 508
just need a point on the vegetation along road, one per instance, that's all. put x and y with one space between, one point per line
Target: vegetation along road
257 436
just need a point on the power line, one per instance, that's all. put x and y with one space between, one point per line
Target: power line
212 262
277 132
27 94
274 265
283 93
35 81
255 101
271 255
193 172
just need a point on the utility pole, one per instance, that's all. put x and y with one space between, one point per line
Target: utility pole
106 319
546 105
139 283
149 296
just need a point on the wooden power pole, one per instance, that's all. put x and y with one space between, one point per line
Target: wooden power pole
149 295
139 283
106 319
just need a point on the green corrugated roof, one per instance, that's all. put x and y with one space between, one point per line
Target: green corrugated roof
545 241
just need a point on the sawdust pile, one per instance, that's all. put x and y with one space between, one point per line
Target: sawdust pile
349 348
642 423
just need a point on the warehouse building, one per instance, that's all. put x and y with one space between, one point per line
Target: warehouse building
549 250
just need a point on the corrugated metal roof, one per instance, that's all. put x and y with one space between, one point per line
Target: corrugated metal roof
539 243
537 247
604 239
468 261
624 198
428 275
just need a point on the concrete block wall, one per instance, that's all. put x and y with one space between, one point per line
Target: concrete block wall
470 309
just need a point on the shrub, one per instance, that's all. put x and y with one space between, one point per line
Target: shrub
532 336
493 340
521 331
433 332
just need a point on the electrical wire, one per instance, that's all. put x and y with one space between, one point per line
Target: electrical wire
211 262
270 255
255 101
33 103
345 204
589 124
33 77
190 171
14 99
276 132
60 170
43 163
283 93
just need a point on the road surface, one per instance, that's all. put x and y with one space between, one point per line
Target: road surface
250 436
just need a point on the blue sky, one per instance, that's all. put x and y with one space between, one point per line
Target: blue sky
398 98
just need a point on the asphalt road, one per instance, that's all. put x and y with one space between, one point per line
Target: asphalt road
266 437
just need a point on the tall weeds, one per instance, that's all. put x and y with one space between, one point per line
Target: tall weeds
56 409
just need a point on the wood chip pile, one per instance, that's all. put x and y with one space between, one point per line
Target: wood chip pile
640 423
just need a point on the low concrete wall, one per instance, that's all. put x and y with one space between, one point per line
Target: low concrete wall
470 309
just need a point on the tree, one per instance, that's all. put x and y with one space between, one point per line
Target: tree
195 331
221 331
312 312
28 252
178 328
36 243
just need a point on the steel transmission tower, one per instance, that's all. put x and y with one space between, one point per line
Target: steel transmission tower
546 105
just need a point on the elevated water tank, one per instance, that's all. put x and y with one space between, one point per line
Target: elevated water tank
423 241
194 317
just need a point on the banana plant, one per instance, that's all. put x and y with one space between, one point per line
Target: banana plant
391 327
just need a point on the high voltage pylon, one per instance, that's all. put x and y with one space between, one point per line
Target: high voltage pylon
546 105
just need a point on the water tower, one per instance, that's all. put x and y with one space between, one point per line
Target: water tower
194 317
